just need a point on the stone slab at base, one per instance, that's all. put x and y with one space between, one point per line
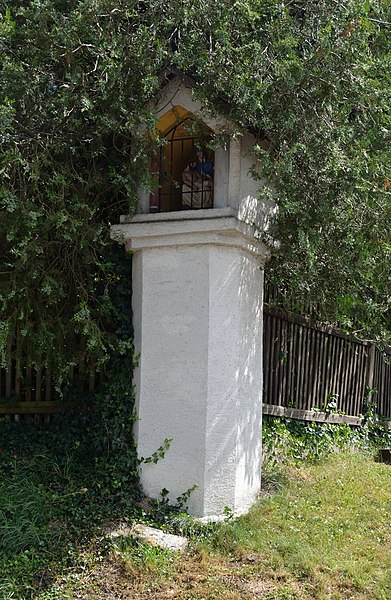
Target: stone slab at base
151 535
156 537
197 305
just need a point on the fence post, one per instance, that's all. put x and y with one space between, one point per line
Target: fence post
370 367
9 371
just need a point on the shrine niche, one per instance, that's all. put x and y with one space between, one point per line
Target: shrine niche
184 165
203 162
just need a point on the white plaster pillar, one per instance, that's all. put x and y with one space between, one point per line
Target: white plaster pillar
197 302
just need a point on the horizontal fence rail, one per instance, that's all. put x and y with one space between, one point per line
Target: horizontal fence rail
307 366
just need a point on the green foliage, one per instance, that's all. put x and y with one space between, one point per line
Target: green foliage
313 79
60 481
301 441
75 78
74 460
288 442
55 495
327 530
111 434
161 513
25 515
145 557
310 79
159 454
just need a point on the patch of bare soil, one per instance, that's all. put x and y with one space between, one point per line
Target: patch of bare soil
194 577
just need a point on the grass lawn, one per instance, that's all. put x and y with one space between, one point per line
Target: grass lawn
326 534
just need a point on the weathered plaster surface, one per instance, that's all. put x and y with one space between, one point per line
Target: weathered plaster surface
197 298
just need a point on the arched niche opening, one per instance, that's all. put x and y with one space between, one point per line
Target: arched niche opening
184 164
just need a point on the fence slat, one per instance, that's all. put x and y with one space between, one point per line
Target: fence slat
38 385
48 385
28 384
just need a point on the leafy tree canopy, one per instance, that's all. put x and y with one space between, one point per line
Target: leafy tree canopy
312 77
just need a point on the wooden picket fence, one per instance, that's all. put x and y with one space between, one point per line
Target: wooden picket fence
31 391
307 365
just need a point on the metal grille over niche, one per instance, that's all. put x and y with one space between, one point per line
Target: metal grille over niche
184 168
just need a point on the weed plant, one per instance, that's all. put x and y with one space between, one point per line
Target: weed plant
290 442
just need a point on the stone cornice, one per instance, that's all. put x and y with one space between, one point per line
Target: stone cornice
218 226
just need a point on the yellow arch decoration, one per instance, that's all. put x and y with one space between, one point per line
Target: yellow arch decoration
171 118
174 117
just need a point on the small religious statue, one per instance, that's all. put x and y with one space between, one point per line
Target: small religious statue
197 187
